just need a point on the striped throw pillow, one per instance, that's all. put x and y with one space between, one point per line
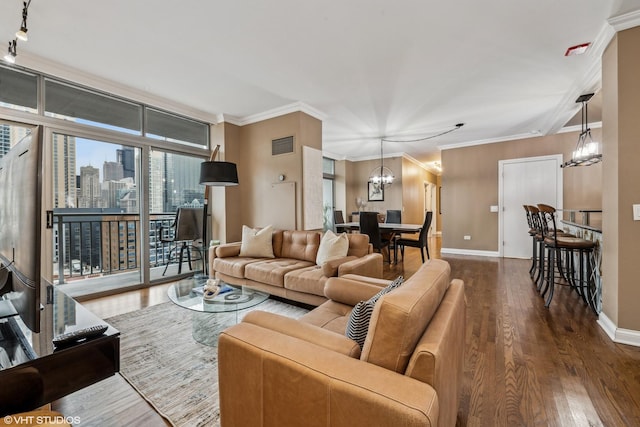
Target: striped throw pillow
358 324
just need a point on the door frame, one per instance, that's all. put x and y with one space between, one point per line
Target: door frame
501 164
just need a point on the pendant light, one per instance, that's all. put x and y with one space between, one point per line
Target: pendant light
587 151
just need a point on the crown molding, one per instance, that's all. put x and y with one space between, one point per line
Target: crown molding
625 21
491 140
578 128
276 112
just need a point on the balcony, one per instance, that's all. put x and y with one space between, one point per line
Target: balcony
99 251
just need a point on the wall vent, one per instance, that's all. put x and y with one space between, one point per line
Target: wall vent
282 146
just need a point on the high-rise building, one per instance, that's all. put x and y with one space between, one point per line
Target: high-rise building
11 135
64 171
156 182
90 193
112 171
126 156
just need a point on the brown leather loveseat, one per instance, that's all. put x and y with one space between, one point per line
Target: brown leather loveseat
293 273
277 371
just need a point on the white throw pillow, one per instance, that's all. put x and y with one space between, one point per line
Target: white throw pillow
257 243
332 246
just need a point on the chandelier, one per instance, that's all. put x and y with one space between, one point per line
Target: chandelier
587 150
381 174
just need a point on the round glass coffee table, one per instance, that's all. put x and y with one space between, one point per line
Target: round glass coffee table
210 317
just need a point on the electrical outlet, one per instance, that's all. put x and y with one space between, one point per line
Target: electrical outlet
636 212
467 237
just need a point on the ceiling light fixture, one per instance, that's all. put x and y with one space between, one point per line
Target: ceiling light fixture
578 49
381 175
587 150
21 34
10 57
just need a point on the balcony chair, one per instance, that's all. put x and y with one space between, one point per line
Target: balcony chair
185 229
421 242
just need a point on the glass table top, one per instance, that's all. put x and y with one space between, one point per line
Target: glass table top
188 293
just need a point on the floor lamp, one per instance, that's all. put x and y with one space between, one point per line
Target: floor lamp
214 174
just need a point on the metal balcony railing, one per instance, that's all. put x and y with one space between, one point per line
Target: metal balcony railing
93 244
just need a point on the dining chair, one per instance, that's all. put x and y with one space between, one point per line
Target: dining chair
422 241
338 218
369 226
393 216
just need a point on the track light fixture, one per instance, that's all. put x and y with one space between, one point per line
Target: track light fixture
21 34
10 57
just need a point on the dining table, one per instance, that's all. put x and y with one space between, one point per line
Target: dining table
390 228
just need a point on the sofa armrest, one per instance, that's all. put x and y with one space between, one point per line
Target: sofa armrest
368 265
304 331
330 268
349 291
268 378
228 250
438 358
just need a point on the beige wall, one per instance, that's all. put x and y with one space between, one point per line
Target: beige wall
621 175
356 185
470 186
249 147
414 178
406 193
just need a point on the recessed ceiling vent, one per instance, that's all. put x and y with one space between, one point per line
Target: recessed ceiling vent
282 146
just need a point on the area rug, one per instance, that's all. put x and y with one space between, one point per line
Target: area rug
174 373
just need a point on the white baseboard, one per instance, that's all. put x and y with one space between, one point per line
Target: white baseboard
619 335
455 251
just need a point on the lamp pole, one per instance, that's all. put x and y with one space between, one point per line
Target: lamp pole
205 208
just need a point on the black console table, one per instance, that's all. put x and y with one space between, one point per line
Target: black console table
33 372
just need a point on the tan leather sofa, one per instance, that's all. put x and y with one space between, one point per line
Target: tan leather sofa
277 371
293 273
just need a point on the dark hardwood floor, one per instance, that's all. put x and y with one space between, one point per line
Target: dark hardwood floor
525 365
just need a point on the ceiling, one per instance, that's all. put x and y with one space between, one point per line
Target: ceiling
403 70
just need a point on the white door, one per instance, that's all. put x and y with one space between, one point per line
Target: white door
526 181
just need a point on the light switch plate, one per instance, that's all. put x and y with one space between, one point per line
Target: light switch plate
636 212
493 208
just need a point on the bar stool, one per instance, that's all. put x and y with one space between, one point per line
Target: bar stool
544 229
555 244
532 232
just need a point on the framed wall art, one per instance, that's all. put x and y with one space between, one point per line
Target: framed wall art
375 191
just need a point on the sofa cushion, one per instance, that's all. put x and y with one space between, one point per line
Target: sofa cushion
330 315
233 266
332 246
358 323
310 280
401 317
272 271
302 245
257 243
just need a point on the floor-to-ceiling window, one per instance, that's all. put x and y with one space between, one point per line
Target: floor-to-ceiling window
328 190
118 170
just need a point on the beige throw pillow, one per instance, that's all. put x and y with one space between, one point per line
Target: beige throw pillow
332 246
257 243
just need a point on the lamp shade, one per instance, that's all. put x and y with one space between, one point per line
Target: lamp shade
218 174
